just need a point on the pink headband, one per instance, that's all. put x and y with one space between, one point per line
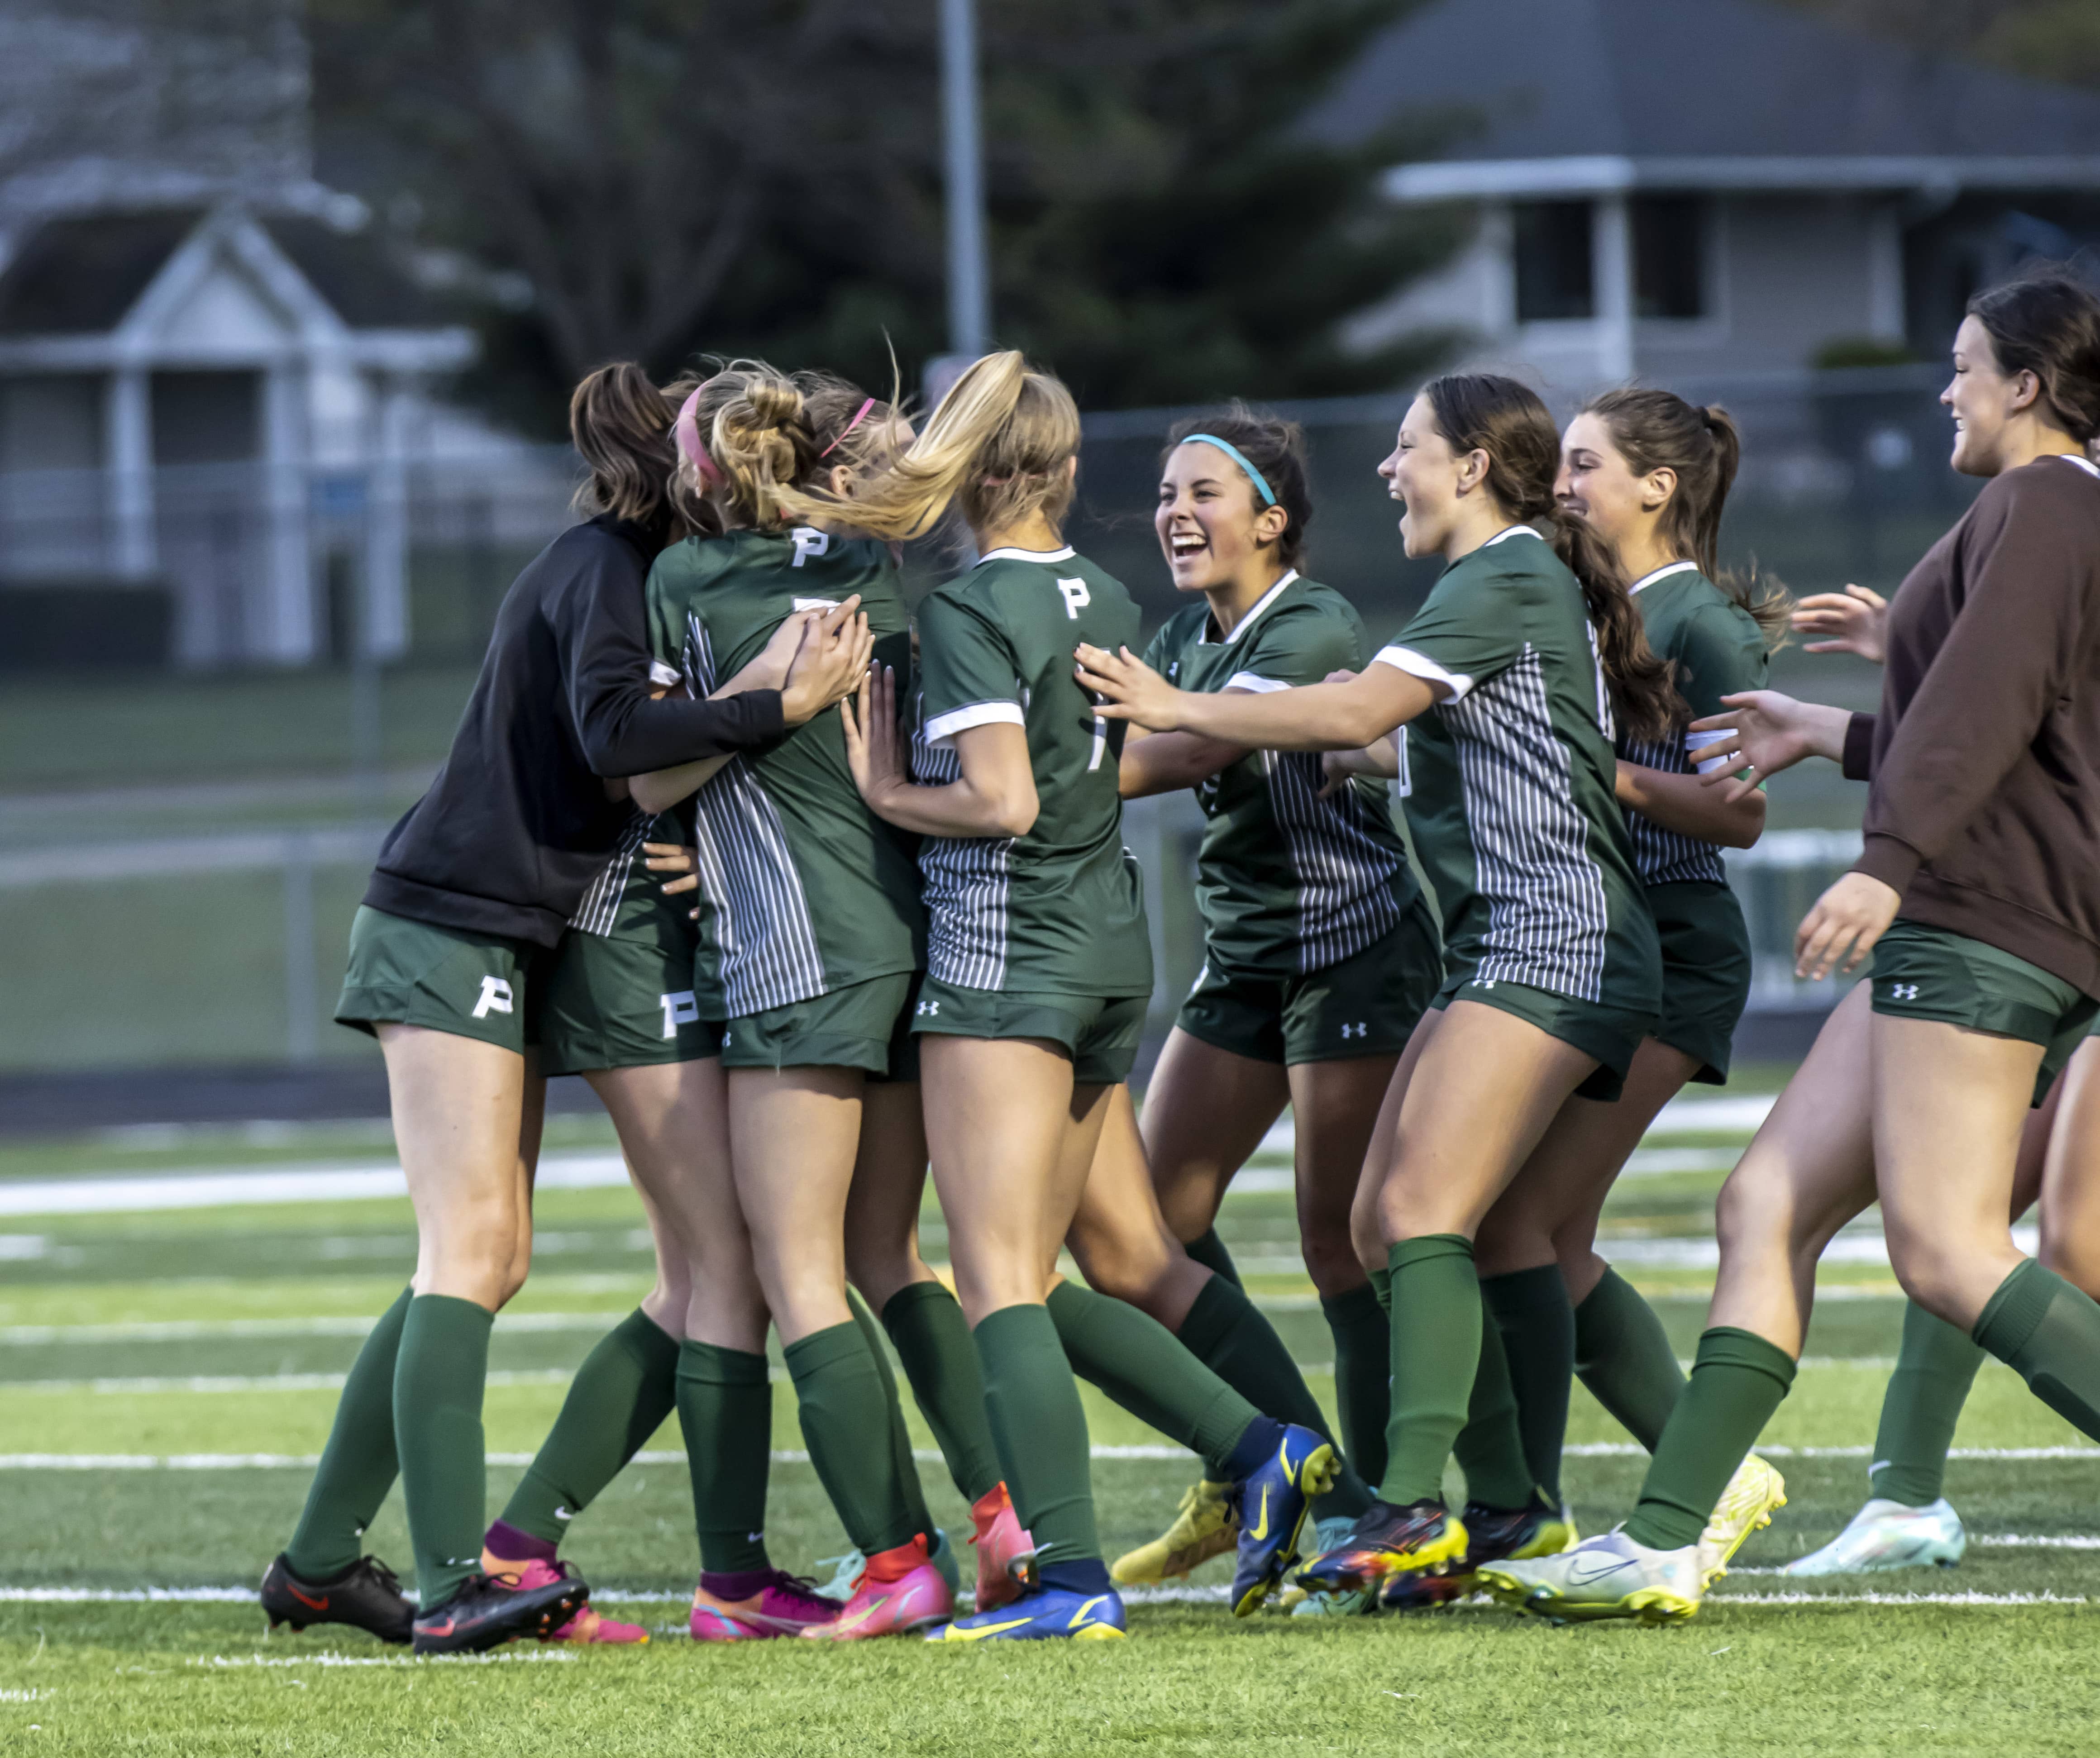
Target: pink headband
687 428
860 415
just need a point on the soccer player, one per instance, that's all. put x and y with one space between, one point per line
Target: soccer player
473 887
1320 955
1527 650
1977 900
1038 972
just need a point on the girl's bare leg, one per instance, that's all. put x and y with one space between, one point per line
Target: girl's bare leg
1206 1112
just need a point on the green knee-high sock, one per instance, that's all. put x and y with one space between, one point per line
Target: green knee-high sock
1040 1427
726 1412
900 1433
1490 1448
933 1340
1225 1331
1935 1368
358 1465
845 1422
2049 1333
1381 1292
1435 1343
627 1385
438 1379
1363 1375
1145 1368
1209 1250
1531 1311
1738 1380
1624 1355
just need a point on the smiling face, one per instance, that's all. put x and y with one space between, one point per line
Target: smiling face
1984 400
1596 481
1424 475
1211 522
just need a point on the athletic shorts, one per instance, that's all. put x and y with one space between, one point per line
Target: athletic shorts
1706 971
608 1003
1100 1031
415 973
1933 973
1610 1034
863 1025
1365 1005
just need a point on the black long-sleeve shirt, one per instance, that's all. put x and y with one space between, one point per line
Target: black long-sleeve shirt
519 822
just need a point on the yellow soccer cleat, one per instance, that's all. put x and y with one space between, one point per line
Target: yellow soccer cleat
1206 1527
1753 1495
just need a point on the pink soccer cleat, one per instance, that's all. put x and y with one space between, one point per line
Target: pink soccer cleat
1002 1542
780 1604
900 1592
586 1626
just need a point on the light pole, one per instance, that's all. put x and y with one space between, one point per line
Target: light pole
969 289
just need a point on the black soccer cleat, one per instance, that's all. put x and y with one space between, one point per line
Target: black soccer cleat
367 1596
486 1613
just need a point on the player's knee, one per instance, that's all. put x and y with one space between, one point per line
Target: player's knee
1331 1258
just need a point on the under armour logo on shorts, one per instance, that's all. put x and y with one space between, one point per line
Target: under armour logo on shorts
927 1009
1903 991
495 997
1359 1030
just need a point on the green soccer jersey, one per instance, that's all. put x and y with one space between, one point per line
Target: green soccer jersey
1513 807
626 901
1061 909
1718 650
1287 881
807 891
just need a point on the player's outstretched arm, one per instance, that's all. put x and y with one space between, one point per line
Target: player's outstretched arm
1313 717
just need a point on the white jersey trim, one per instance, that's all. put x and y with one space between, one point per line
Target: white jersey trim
2085 464
942 727
1254 681
1254 611
1066 554
1421 666
1511 531
1663 573
665 674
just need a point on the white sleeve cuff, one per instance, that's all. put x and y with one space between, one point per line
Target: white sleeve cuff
1695 742
664 675
942 727
1421 666
1250 681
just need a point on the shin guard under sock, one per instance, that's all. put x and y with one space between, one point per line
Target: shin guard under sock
1040 1427
2049 1333
1363 1376
1935 1369
1435 1354
932 1337
439 1377
1624 1356
1537 1325
625 1388
846 1415
1490 1449
726 1413
906 1466
358 1465
1738 1380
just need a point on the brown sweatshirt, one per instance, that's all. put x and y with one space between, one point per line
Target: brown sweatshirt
1983 809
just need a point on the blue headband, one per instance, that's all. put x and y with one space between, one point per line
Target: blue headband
1233 452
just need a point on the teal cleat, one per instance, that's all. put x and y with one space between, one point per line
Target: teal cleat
1047 1613
1343 1601
1273 1502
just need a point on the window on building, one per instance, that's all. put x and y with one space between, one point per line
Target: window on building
1555 274
51 421
1670 256
207 418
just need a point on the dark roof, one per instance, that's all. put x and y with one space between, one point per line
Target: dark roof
1691 79
80 276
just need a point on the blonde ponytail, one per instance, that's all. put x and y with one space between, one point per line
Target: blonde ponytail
996 447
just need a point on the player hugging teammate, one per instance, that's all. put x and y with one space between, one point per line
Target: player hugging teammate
804 954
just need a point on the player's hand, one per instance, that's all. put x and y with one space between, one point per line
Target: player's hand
1125 688
680 862
1763 732
829 665
1854 620
1847 921
874 752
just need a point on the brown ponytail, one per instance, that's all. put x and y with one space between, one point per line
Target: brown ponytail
1483 411
1657 429
620 424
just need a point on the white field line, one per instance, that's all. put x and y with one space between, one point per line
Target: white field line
1629 1450
230 1330
307 1461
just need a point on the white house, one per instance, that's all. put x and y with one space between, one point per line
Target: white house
1688 189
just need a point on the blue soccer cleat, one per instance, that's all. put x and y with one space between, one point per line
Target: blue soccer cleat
1046 1614
1273 1502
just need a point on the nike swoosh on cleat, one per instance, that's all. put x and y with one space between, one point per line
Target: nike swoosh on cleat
1584 1574
317 1605
1261 1526
1079 1617
443 1629
985 1629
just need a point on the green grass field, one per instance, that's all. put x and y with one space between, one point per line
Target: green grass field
137 1351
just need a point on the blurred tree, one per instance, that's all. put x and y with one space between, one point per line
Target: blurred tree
659 177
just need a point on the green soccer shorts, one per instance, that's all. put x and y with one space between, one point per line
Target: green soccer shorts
855 1027
610 1002
1706 971
416 973
1610 1034
1365 1005
1922 972
1100 1033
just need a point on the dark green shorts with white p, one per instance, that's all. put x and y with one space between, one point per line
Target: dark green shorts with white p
612 1002
1706 971
1101 1031
864 1025
1922 972
416 973
1363 1006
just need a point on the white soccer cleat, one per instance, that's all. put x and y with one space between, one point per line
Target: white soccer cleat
1746 1505
1607 1576
1889 1535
